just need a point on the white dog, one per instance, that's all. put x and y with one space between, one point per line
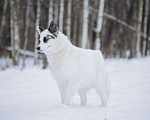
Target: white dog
73 68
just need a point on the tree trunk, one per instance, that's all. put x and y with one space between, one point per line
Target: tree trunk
99 24
69 20
134 35
56 12
147 41
2 26
139 28
61 15
11 29
145 26
80 23
75 24
92 26
85 24
50 12
26 31
38 10
15 34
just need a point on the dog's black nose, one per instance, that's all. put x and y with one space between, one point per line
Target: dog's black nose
38 48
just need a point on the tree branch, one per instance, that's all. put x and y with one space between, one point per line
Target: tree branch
124 24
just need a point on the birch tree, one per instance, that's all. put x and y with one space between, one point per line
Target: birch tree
26 31
61 15
38 10
56 12
15 36
139 27
85 24
16 32
69 20
50 12
99 24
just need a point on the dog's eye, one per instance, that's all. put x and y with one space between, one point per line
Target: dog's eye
45 40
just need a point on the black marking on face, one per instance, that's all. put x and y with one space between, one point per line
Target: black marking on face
45 40
48 37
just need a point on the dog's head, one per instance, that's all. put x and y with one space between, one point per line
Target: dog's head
48 38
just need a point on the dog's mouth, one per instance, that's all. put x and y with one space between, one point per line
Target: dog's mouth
42 51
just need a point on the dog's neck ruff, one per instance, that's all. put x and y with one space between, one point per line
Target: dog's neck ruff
55 59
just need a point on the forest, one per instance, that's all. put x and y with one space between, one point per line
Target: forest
119 28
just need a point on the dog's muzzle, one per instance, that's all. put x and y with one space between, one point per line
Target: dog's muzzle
39 49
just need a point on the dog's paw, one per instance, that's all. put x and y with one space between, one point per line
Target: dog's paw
63 106
82 104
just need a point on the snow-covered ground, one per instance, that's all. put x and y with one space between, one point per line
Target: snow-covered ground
32 94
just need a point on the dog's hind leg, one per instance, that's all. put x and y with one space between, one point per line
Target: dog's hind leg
83 97
100 85
102 93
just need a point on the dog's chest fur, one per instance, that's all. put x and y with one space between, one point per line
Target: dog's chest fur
63 65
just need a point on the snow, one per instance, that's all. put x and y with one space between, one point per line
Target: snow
32 94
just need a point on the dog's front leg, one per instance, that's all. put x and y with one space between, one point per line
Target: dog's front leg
72 87
61 90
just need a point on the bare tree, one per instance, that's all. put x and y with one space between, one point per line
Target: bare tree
145 26
50 12
85 24
75 22
69 20
3 24
92 24
56 11
80 24
16 31
38 10
134 35
26 31
11 29
99 24
139 27
15 35
61 15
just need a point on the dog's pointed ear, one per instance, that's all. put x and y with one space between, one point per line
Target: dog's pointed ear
53 28
39 29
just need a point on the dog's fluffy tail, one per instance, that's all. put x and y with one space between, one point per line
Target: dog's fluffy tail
107 83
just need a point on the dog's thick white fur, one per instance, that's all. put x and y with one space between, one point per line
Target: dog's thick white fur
75 69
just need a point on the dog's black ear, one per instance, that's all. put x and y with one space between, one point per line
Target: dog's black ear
39 29
53 28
